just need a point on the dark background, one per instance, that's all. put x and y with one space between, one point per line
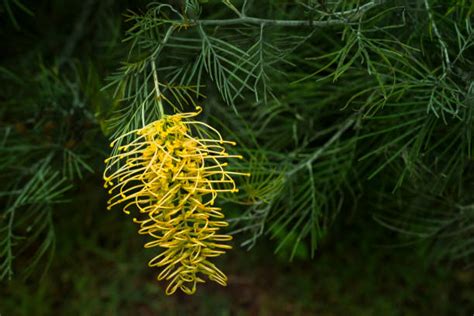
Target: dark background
99 264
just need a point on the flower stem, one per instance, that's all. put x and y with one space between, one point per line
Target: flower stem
157 89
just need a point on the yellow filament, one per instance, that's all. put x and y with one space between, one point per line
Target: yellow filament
171 180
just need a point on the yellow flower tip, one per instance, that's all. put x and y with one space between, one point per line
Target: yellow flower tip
108 183
189 291
239 157
247 174
234 190
109 208
232 143
126 211
112 144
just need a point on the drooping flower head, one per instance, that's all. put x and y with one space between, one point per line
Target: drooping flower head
171 178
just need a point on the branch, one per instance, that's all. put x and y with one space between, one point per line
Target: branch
258 21
444 47
323 148
157 90
291 23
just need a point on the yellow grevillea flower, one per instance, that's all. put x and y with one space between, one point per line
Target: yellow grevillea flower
171 179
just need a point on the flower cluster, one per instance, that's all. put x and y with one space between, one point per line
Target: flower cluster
171 180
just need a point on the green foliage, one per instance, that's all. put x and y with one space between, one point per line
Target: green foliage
41 157
332 103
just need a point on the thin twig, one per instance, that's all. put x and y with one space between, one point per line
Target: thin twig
155 73
292 23
157 89
323 148
442 43
258 21
162 44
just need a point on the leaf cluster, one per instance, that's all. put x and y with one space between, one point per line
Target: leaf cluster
327 108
